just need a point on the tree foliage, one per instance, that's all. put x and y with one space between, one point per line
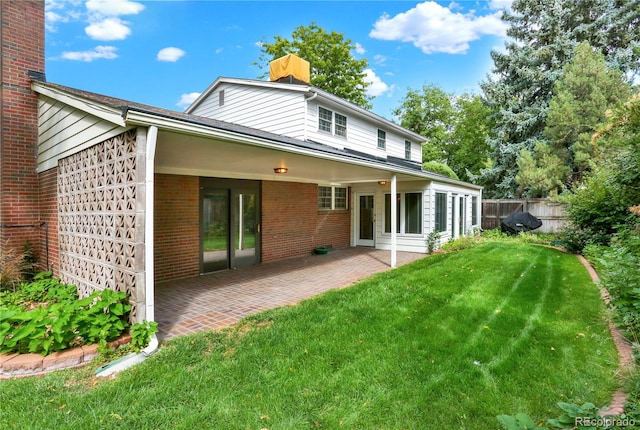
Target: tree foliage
333 67
455 127
586 92
541 172
542 37
612 189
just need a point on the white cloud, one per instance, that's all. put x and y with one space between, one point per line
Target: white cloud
108 29
104 18
379 59
170 54
376 86
187 99
434 28
60 12
500 4
114 7
219 50
99 52
359 49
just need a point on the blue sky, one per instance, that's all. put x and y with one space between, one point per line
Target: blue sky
164 53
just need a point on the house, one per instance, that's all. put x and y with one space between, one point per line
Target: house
117 194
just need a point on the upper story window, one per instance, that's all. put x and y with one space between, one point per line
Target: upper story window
341 125
332 122
221 98
332 198
382 139
407 149
325 119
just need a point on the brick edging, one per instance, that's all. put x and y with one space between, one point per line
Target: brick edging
21 365
625 352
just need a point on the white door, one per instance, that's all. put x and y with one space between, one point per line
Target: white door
366 221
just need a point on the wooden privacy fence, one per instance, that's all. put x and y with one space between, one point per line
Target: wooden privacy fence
551 214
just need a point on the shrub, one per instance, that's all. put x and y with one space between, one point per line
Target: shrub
576 238
10 267
46 316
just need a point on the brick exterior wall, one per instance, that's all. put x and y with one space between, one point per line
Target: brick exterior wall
293 226
49 244
21 49
177 231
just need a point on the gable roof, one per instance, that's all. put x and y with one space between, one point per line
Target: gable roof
127 114
309 91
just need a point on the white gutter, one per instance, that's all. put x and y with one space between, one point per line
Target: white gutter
394 221
133 358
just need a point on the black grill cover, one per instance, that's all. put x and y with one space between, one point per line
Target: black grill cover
519 221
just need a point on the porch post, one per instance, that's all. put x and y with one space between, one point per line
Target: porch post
394 220
152 135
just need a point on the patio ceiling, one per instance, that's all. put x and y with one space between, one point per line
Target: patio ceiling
185 154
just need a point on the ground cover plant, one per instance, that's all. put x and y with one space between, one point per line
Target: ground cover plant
449 342
46 316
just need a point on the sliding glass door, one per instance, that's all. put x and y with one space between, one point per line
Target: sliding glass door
230 224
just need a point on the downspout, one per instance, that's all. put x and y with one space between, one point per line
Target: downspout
133 358
394 220
149 269
306 111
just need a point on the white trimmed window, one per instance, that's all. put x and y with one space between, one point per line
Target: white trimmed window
332 198
382 139
474 210
407 149
441 212
409 210
332 122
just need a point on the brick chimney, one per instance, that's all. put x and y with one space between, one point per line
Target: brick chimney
21 52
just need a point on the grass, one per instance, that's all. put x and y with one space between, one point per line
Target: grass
447 342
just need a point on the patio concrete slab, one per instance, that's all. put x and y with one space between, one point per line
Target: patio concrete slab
221 299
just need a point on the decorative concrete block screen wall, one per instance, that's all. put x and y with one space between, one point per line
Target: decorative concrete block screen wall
101 218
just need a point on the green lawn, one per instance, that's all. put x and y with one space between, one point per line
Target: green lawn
447 342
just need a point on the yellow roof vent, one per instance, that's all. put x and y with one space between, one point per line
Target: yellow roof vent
291 69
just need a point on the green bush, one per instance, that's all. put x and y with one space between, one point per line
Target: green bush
576 238
46 316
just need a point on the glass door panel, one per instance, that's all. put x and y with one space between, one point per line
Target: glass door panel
366 228
245 229
215 230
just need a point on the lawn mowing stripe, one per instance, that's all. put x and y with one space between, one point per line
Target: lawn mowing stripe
482 326
531 320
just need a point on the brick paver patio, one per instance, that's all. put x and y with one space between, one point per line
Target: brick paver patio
221 299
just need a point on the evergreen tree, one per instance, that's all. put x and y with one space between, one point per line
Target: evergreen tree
581 100
543 35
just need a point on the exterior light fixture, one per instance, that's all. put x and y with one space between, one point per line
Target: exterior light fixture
280 170
382 182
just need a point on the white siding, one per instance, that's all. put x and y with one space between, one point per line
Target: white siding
63 131
413 242
269 109
362 134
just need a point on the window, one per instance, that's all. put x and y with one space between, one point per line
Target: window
474 210
341 125
382 139
441 212
332 122
332 198
413 213
340 198
221 98
387 213
409 210
407 149
325 119
324 198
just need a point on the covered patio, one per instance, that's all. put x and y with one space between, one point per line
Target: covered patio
221 299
